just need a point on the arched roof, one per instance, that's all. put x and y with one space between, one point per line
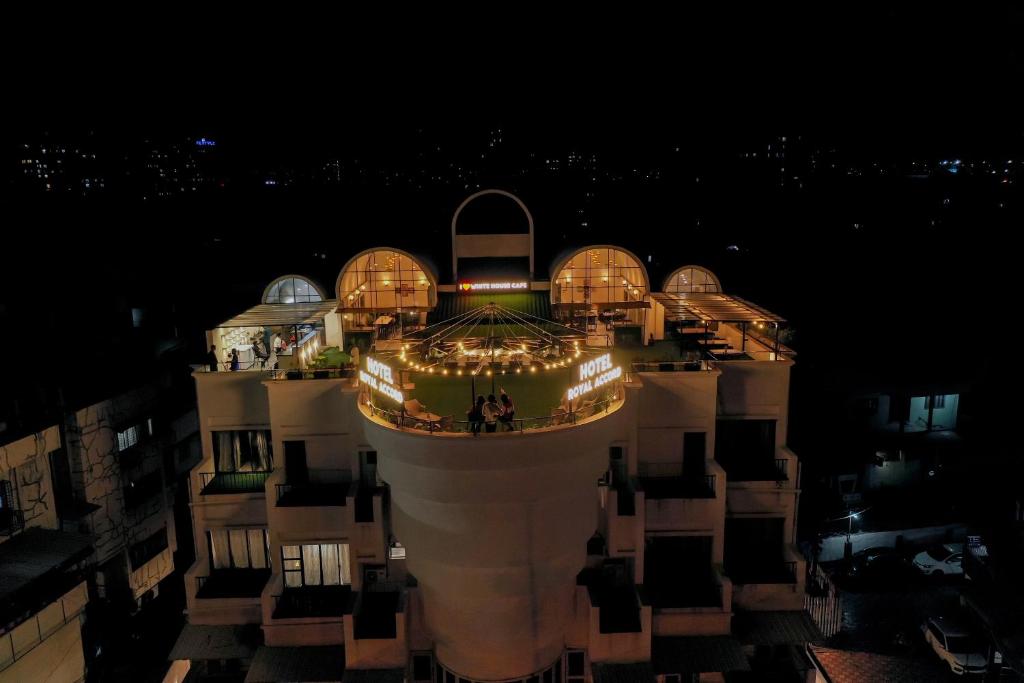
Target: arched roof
419 265
561 262
292 289
692 278
461 243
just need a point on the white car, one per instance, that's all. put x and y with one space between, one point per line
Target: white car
957 647
941 560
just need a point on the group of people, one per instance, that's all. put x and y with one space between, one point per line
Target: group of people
213 362
264 344
489 413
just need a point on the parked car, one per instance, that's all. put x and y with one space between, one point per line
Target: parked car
941 560
882 567
954 643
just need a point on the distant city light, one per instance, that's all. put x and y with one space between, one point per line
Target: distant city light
203 142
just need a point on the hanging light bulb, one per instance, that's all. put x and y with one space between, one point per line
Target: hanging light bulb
533 368
445 371
519 371
458 372
489 373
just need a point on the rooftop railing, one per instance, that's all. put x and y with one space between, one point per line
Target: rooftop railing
22 635
449 425
673 366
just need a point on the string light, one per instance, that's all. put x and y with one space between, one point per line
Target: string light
533 368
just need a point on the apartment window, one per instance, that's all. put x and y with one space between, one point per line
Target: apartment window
575 666
239 548
132 435
315 564
145 550
243 451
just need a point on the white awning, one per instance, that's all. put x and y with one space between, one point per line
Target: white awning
384 320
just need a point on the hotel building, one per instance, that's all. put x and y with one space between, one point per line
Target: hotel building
635 517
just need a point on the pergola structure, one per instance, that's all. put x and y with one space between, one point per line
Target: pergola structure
491 336
711 308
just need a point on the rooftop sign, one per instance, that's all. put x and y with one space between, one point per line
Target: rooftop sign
506 286
594 374
379 377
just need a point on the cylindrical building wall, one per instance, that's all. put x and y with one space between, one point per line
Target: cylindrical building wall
495 530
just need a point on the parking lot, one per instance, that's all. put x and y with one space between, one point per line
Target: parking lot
885 615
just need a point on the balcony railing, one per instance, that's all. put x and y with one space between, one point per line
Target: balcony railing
232 482
740 469
313 493
672 366
313 602
686 593
520 425
681 486
232 583
23 635
746 572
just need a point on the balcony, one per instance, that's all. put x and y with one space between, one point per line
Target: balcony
214 483
312 494
657 487
231 583
18 640
759 469
375 610
764 571
762 581
313 602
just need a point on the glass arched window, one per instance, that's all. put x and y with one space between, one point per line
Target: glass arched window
385 280
692 279
599 275
292 290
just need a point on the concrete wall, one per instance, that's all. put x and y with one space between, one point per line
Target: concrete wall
756 390
26 464
496 530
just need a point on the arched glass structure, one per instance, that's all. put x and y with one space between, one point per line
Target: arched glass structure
384 279
600 275
691 279
292 289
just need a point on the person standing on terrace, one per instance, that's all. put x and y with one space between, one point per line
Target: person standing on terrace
508 411
234 360
475 415
492 411
211 359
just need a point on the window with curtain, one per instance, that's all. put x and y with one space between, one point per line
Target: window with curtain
243 451
239 548
315 564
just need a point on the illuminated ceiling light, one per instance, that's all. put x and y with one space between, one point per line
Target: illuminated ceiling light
430 370
458 372
518 370
489 373
533 368
445 371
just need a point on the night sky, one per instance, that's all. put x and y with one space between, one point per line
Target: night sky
329 145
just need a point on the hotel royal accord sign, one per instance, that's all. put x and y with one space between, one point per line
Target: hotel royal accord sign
379 377
594 374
